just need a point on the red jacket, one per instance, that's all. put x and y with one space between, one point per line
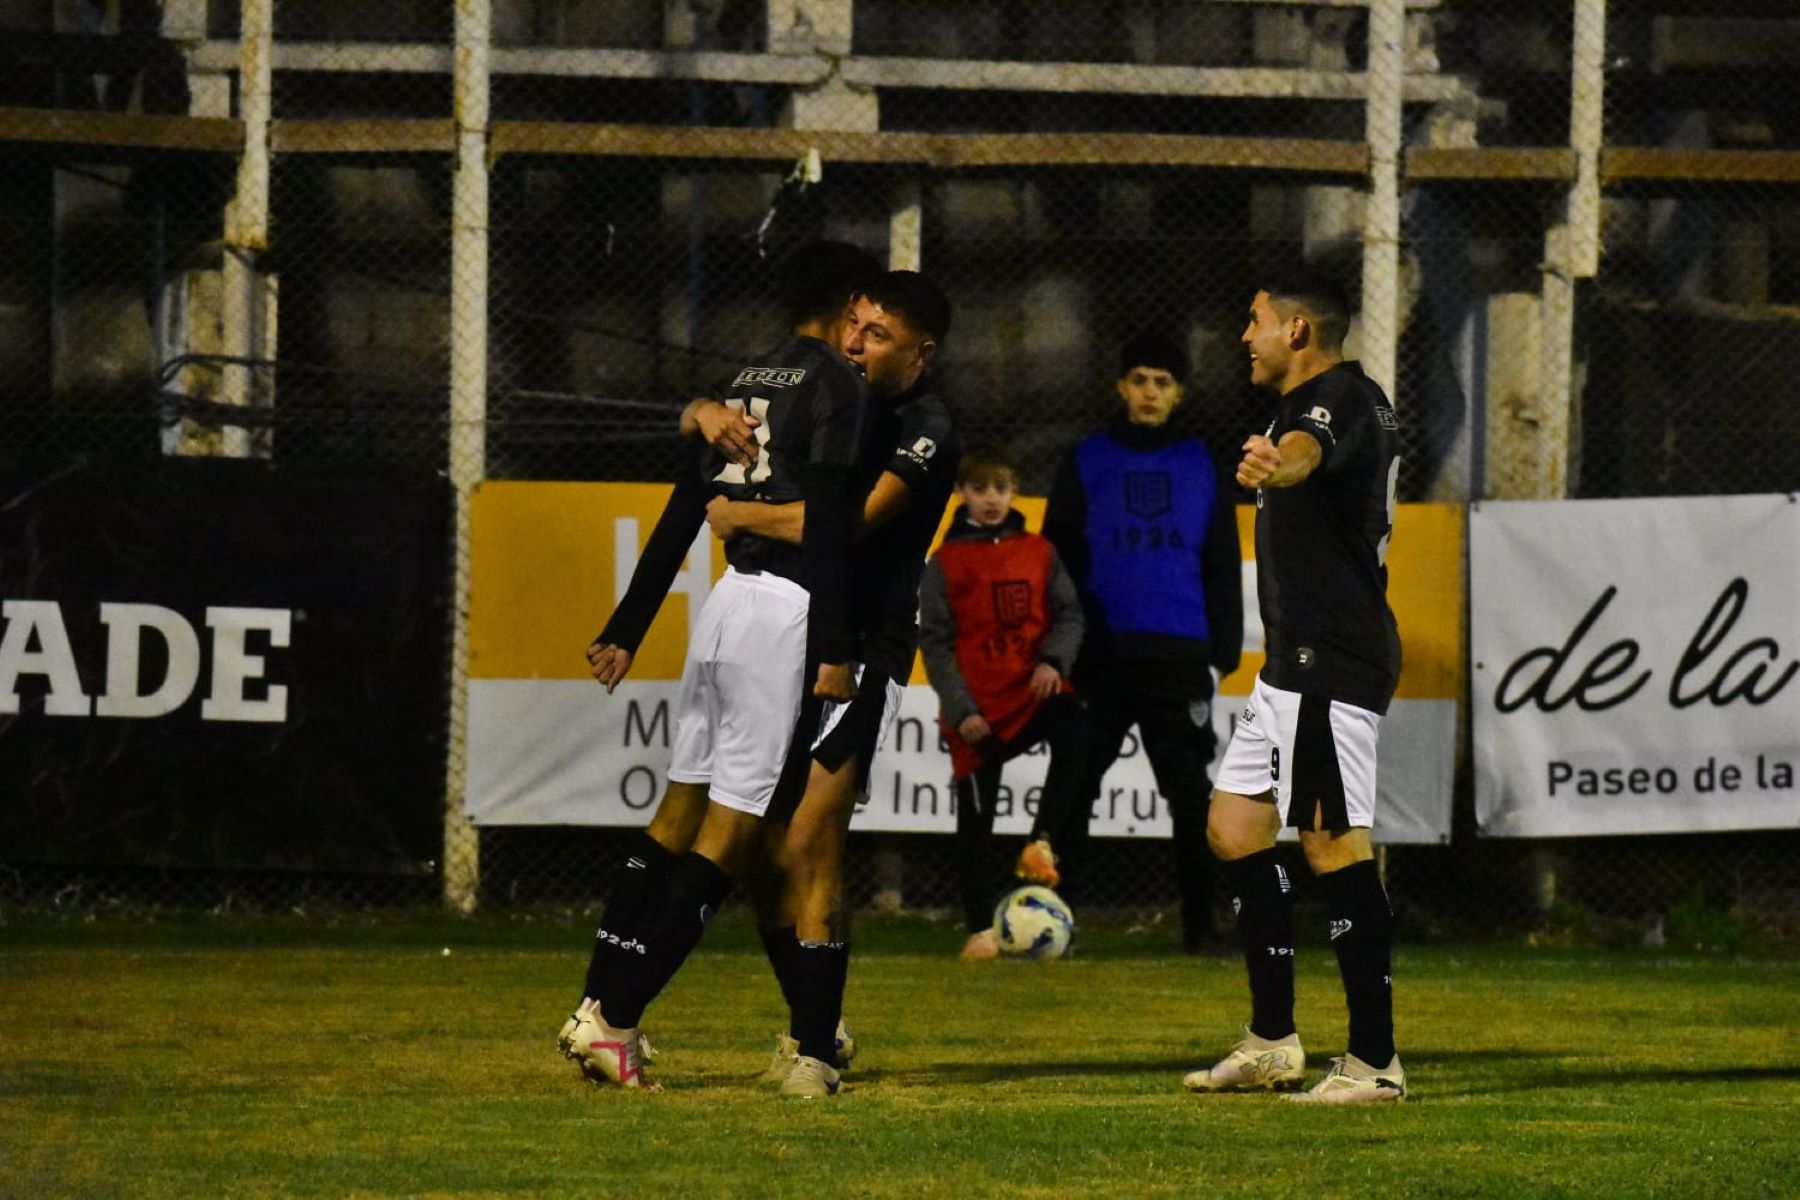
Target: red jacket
994 603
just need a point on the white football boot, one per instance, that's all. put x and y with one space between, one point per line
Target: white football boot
810 1079
1254 1065
1353 1081
787 1049
565 1040
605 1055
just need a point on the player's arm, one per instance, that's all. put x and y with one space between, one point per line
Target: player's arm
784 522
1222 583
829 487
609 655
1270 464
730 431
937 647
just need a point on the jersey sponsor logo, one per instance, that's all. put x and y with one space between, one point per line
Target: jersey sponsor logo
920 451
1147 493
781 377
1321 414
1012 601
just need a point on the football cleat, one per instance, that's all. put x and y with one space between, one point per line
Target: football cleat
985 944
1353 1081
787 1049
565 1040
1037 864
605 1055
1254 1065
810 1079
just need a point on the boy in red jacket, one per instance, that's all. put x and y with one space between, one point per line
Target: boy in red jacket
999 626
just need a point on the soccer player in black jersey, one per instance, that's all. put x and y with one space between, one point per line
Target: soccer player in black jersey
909 467
778 620
1303 751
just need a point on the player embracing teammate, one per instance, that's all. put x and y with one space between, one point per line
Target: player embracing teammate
797 462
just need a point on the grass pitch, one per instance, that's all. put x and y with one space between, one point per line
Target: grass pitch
386 1056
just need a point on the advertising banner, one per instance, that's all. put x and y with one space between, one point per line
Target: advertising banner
547 746
207 663
1635 665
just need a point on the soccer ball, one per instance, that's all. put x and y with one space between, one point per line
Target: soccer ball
1035 923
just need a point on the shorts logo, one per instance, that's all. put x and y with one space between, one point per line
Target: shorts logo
1339 928
1384 416
1200 713
1281 878
1304 657
1012 601
781 377
920 451
1147 493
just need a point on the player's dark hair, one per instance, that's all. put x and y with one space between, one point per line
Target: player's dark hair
819 278
915 298
1153 351
1319 296
987 463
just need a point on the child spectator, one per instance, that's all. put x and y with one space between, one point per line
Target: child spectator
1000 625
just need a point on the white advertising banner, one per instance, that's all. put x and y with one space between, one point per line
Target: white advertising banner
547 746
1636 665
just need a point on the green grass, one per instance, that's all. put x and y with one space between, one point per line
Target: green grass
203 1057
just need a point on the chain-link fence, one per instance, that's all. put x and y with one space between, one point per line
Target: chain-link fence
506 241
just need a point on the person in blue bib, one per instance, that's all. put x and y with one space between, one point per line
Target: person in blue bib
1148 528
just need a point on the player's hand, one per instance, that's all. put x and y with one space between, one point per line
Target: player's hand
721 514
730 431
1261 460
1046 681
974 729
608 663
835 683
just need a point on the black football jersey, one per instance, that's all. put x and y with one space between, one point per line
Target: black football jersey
1321 546
811 406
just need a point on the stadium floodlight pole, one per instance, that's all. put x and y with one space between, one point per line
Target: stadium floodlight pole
247 221
461 867
1381 218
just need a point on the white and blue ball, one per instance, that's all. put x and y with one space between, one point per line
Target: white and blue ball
1033 922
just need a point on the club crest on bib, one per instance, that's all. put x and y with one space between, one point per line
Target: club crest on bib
1147 493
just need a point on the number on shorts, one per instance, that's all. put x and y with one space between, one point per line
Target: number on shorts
1275 763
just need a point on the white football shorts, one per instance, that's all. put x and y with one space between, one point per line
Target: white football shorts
1311 748
741 689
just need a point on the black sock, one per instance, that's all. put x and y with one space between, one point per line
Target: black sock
821 969
1362 933
1263 899
634 879
635 971
783 949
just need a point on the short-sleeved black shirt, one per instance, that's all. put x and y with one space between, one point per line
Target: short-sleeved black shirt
813 411
915 438
1321 546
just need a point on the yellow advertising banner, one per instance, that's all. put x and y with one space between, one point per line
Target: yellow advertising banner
548 747
551 559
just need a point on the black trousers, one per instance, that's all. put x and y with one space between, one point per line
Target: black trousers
1061 724
1171 705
